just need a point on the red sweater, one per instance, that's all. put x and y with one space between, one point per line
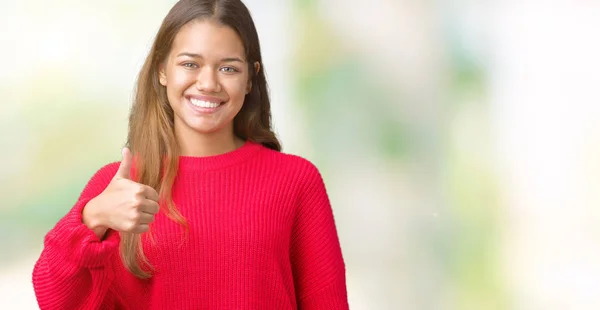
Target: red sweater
262 236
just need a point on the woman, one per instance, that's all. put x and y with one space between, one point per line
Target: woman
203 211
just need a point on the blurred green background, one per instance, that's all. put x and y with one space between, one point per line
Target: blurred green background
459 141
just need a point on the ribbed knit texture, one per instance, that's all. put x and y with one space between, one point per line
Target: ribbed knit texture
262 236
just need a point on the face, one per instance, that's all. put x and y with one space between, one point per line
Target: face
206 77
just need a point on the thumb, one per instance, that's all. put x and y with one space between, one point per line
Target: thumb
125 167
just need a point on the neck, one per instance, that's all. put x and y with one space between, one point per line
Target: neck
208 144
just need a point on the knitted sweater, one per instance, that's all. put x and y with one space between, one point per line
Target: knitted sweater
262 236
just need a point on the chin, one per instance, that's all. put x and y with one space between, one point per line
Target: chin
207 129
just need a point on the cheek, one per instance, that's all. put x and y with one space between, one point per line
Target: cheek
179 79
236 89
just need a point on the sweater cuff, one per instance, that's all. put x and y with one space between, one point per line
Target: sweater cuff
333 297
79 244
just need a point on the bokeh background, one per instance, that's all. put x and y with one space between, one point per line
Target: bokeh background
459 140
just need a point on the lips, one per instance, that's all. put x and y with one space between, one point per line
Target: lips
210 99
204 104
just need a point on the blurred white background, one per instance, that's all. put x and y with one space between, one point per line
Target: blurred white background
459 140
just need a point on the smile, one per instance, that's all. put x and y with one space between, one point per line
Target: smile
204 104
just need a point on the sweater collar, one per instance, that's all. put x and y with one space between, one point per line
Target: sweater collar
246 151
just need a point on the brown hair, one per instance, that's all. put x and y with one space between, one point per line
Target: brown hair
151 137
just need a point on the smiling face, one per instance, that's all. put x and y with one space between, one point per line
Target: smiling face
206 77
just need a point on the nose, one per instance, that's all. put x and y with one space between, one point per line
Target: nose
207 81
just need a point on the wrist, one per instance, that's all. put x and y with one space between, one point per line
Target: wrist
92 218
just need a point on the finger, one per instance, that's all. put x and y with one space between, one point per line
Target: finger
150 193
141 228
150 207
125 166
145 218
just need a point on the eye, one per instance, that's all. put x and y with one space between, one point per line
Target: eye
190 65
229 69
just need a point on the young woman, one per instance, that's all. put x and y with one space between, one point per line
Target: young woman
203 211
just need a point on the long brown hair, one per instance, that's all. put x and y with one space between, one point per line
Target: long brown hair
151 137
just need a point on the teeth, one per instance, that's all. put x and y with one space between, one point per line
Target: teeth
203 104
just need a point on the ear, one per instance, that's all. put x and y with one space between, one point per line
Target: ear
256 70
162 76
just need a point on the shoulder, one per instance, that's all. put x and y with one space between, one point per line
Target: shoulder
298 167
109 170
100 180
104 175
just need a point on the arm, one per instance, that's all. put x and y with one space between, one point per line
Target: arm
317 262
73 271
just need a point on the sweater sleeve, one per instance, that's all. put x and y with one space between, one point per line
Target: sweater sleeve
317 262
73 270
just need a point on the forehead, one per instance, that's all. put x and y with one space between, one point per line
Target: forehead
209 39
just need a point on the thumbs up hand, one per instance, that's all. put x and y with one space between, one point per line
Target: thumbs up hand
124 171
124 205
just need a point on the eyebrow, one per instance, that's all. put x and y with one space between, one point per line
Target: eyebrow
194 55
